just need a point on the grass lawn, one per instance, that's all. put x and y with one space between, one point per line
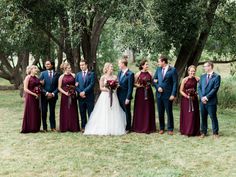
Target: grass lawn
72 154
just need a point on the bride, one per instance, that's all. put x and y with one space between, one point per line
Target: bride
107 118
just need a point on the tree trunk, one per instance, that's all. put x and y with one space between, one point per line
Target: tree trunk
191 50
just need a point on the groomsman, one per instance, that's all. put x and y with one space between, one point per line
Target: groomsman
85 81
208 87
50 94
166 83
125 89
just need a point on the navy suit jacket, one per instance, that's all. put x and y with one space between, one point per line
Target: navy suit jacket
169 83
209 89
86 86
126 83
50 85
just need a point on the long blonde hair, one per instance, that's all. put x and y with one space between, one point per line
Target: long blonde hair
106 67
64 65
29 69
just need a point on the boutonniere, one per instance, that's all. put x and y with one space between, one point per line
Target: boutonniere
126 73
88 73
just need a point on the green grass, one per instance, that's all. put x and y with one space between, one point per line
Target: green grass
4 82
72 154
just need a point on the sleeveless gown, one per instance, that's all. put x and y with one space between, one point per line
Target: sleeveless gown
31 118
106 119
144 107
189 111
69 119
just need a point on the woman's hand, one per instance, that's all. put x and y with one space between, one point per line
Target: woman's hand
42 82
36 96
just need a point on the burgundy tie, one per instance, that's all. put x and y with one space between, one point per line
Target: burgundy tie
50 75
84 75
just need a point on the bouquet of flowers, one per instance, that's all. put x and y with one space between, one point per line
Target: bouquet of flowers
111 85
192 94
72 94
38 90
146 83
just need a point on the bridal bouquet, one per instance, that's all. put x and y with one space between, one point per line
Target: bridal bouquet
146 83
192 94
111 85
71 93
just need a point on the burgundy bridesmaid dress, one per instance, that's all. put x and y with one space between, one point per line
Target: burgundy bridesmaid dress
31 119
144 107
69 119
189 110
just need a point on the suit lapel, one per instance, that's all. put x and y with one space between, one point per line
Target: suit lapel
169 69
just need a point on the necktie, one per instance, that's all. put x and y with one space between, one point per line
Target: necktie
50 75
163 73
208 78
84 75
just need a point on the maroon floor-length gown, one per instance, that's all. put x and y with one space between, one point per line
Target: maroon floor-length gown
69 119
144 107
31 118
189 110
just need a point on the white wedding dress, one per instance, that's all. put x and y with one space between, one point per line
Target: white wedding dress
106 120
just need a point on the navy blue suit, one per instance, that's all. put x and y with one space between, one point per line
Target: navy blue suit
124 92
209 89
50 86
169 85
85 85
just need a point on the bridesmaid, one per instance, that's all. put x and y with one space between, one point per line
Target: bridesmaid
144 107
189 108
31 119
69 119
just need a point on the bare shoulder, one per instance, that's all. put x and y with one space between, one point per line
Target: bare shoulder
197 78
27 78
73 74
115 77
61 76
137 74
102 77
150 73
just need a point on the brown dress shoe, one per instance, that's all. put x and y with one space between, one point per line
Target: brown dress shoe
161 132
53 130
170 133
82 130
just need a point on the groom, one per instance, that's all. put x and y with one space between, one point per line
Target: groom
85 81
208 87
50 94
166 83
125 89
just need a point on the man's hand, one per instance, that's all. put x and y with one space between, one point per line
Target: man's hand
49 95
127 102
160 89
172 98
204 100
82 94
